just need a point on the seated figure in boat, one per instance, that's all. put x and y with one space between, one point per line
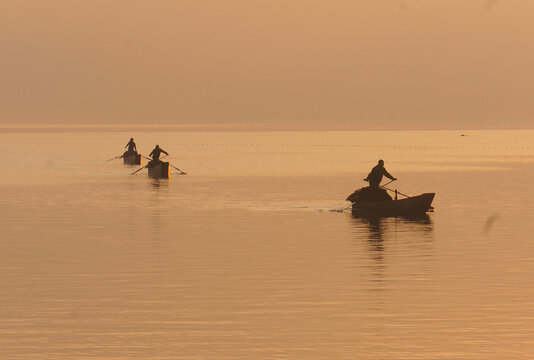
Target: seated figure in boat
376 174
132 148
155 155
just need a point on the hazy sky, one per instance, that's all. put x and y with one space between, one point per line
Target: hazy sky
328 63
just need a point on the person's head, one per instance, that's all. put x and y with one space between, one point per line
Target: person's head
131 139
381 162
157 146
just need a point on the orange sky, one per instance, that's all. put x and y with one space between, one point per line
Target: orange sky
325 64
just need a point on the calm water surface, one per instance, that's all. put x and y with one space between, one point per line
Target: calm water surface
243 259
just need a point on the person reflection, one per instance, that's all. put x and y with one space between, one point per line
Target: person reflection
375 236
385 245
380 229
375 228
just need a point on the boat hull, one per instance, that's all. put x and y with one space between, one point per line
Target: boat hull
132 159
159 170
414 205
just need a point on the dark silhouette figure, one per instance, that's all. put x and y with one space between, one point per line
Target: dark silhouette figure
375 176
130 156
156 153
132 148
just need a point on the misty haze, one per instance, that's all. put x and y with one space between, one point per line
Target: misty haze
307 64
266 179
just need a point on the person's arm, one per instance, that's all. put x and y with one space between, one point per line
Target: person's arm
163 151
135 147
388 175
151 153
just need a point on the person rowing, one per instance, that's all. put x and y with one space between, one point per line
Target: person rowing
132 149
376 174
156 153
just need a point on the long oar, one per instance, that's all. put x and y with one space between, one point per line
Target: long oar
138 170
384 186
336 210
182 172
146 157
164 156
116 157
395 191
353 203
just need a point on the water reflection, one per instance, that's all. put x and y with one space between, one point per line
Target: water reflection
159 225
379 231
379 226
160 182
393 250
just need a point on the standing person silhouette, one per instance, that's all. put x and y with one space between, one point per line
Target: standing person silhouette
156 153
132 148
376 174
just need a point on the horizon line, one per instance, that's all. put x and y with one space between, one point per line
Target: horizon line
119 127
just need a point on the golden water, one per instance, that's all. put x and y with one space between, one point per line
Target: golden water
243 259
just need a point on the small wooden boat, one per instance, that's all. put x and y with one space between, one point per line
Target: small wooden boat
131 158
158 169
377 202
413 205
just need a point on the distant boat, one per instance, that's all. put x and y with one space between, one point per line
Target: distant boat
413 205
158 170
131 158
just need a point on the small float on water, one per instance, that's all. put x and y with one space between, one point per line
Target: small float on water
377 202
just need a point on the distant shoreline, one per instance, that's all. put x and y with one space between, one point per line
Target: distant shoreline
60 128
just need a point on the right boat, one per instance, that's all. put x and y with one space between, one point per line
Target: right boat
158 169
368 201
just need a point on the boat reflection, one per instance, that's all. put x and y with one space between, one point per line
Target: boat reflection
380 231
390 251
378 226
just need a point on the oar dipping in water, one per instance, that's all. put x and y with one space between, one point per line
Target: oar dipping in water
181 172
